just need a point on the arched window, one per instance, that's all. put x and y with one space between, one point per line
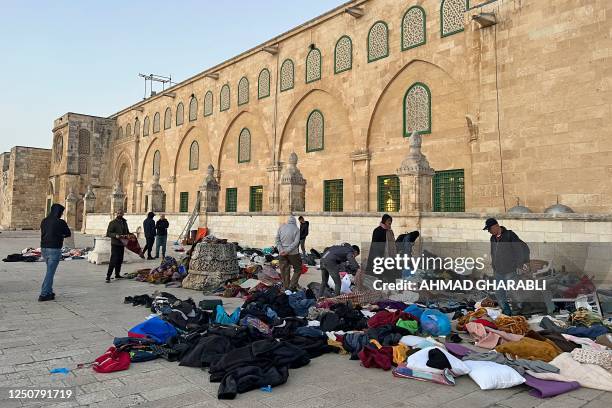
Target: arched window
193 109
156 162
244 146
378 41
137 127
168 118
413 28
243 91
451 16
315 131
208 103
120 133
263 84
313 65
343 55
194 156
180 114
156 122
128 130
224 98
83 165
58 148
84 141
146 126
286 75
417 109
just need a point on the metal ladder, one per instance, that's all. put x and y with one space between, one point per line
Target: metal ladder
190 221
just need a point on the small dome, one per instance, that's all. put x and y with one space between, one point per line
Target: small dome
519 209
558 209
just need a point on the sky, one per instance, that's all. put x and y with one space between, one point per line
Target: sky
85 56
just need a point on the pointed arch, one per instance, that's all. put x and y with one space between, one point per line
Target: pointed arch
193 108
167 118
203 148
313 65
243 91
414 28
180 114
263 84
343 54
378 41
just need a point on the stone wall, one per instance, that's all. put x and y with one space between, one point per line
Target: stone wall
97 223
24 183
508 120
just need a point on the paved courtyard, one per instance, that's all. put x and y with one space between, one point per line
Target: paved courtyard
80 324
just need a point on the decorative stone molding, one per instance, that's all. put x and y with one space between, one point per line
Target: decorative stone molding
415 162
415 176
472 123
359 155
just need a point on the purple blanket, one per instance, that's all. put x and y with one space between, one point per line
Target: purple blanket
457 350
548 388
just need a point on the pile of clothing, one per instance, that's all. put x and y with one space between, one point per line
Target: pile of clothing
169 272
256 344
35 254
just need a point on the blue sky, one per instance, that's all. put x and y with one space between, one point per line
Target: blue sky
85 56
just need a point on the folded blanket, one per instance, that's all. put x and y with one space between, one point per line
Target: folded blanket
587 375
529 349
547 388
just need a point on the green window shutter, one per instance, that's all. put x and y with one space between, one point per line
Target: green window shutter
388 193
256 199
231 199
449 191
184 202
333 200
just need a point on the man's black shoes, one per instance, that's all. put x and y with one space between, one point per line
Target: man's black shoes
46 298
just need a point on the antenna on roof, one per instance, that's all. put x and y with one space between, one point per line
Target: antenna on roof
155 78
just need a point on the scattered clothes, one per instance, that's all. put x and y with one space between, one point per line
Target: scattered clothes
438 360
605 340
520 365
588 375
221 316
457 350
512 324
435 323
549 388
529 349
376 356
483 338
419 360
591 332
560 341
411 325
585 341
553 325
155 329
602 358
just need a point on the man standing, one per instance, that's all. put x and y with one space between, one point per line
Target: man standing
287 241
330 262
149 232
508 255
303 233
118 232
162 235
53 230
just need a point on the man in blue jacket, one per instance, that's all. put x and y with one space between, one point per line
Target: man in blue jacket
53 230
148 226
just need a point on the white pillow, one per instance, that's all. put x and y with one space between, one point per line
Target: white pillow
418 361
413 341
492 376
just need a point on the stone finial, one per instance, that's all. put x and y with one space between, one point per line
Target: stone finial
89 194
72 197
155 179
415 162
210 173
117 188
291 174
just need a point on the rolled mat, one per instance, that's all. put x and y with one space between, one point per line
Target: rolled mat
548 388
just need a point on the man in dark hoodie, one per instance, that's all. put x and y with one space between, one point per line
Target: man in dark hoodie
161 227
303 233
148 226
53 230
117 231
508 255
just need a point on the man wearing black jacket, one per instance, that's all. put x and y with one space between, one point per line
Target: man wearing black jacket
303 233
149 232
161 227
53 230
508 255
117 231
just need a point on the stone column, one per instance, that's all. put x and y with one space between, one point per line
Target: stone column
89 206
155 194
273 182
139 200
172 185
292 187
117 198
209 195
361 177
415 176
70 213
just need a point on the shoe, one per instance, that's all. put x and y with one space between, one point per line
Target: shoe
119 277
52 296
45 298
107 280
150 258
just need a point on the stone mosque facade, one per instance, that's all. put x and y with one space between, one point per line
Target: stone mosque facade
508 100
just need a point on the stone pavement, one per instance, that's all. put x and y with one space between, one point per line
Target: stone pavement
87 313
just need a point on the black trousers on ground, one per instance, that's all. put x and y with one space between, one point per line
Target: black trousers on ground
116 259
149 246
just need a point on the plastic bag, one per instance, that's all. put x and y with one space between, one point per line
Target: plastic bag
435 323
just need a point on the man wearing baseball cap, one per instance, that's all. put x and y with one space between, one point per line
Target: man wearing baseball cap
508 254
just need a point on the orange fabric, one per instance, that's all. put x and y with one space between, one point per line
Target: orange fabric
514 324
529 349
399 353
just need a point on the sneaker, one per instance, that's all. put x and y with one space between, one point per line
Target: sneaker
119 277
150 258
107 280
45 298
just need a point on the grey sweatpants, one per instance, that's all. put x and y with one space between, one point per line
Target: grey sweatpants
330 268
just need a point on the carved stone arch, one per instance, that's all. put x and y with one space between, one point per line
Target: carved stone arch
189 137
149 150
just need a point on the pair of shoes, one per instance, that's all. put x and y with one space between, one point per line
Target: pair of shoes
119 277
107 280
150 258
46 298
